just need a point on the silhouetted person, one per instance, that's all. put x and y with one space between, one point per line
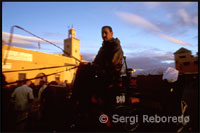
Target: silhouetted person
109 58
8 114
93 78
4 82
53 107
53 83
22 98
43 86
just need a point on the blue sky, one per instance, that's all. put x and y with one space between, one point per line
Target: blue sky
150 32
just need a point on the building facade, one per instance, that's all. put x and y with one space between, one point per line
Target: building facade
185 62
20 64
72 50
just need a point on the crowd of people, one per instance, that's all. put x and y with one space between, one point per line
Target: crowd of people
48 104
25 105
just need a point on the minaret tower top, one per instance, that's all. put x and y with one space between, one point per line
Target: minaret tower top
72 33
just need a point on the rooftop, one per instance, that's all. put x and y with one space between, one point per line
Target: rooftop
182 50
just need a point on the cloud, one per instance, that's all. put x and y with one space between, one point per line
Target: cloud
152 54
88 56
50 34
134 19
179 15
183 16
152 4
146 63
185 3
147 25
168 4
163 57
19 41
195 20
186 17
27 42
142 60
173 40
150 60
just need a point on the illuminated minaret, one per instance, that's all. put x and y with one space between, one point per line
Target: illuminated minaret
72 44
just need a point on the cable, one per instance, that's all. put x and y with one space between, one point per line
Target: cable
10 40
39 68
9 43
41 76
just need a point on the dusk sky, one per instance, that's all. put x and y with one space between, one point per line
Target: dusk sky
149 32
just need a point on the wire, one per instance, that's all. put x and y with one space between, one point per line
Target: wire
10 40
9 43
40 76
39 68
